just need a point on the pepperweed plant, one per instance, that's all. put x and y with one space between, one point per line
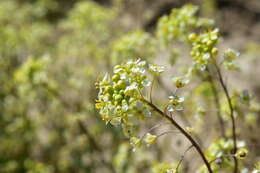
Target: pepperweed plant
123 100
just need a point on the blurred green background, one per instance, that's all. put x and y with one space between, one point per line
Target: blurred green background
53 51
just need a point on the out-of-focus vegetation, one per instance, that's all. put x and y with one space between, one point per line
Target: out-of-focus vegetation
52 52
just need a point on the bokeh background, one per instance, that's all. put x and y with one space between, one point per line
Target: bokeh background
52 52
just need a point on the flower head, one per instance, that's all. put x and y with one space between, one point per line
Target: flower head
150 139
175 103
180 82
204 48
241 153
156 69
119 99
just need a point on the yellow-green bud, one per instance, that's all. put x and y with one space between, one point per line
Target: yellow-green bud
192 36
109 89
118 97
150 139
209 43
214 51
121 84
116 77
241 153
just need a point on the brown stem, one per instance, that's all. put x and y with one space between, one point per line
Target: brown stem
182 157
151 91
183 116
234 136
187 135
217 103
187 123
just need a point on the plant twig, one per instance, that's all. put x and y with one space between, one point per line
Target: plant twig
234 136
151 91
182 158
226 155
186 134
154 127
167 132
217 103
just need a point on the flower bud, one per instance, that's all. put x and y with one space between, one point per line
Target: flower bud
241 153
214 51
192 36
150 139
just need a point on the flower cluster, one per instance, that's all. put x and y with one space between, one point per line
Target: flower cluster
257 167
164 168
220 150
204 47
179 23
230 56
241 153
175 103
147 139
150 139
119 99
156 70
180 82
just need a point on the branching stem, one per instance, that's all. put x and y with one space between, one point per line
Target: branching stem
186 134
182 157
217 103
151 91
234 136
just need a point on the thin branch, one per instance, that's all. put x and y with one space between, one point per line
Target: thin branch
226 155
182 158
167 132
154 127
217 103
187 135
151 91
140 92
187 123
234 136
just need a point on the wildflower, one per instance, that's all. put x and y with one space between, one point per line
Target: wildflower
180 82
175 103
204 48
241 153
156 69
150 139
135 142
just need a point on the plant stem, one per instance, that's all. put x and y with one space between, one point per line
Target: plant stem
182 157
234 136
187 135
217 103
151 91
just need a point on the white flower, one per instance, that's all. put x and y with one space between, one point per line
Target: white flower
132 90
231 54
180 81
150 139
156 69
116 121
146 82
